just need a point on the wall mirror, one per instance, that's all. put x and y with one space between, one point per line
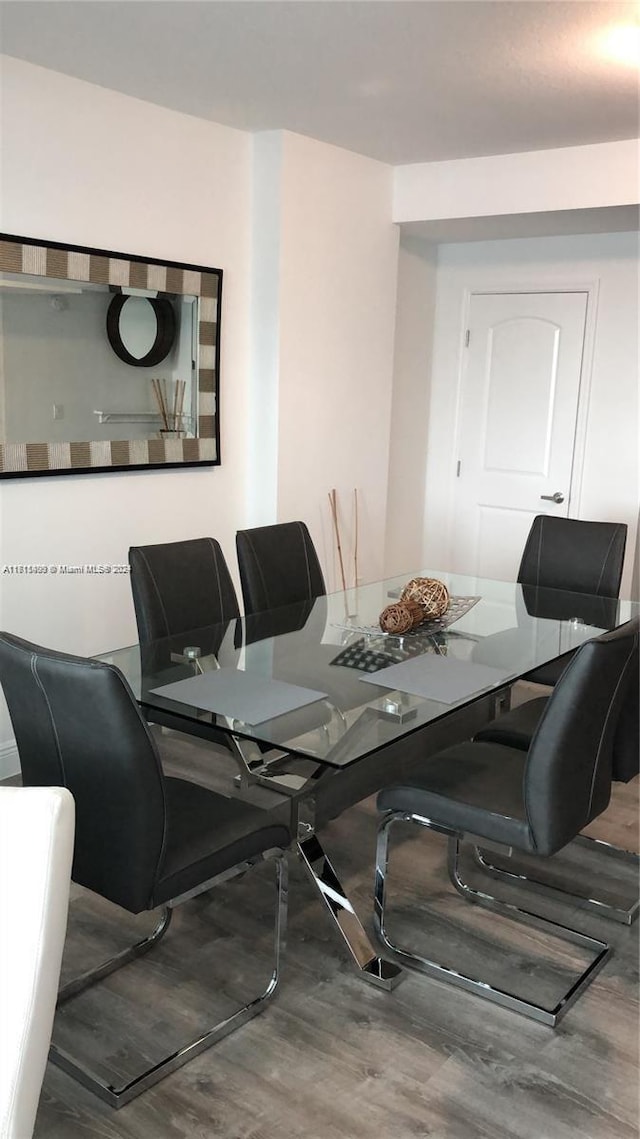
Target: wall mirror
107 361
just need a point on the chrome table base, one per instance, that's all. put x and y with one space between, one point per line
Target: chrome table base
372 968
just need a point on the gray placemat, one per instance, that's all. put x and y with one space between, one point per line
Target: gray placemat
239 695
438 678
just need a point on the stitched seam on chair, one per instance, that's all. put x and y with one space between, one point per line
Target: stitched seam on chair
606 559
306 559
597 757
524 793
116 671
259 568
34 671
157 590
111 668
218 582
539 557
527 760
621 679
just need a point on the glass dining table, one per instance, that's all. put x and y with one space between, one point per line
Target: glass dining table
315 702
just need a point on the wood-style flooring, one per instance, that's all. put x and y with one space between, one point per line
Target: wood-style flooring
332 1057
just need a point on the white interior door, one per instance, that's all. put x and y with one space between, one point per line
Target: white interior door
517 423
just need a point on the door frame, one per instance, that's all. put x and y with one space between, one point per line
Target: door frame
592 290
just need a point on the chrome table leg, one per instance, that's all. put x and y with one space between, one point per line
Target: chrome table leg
372 968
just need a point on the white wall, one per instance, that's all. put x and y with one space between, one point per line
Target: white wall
337 278
566 178
415 315
610 477
304 235
91 167
264 380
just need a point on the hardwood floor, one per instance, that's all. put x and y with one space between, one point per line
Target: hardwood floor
332 1057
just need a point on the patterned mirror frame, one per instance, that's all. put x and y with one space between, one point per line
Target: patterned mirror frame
99 266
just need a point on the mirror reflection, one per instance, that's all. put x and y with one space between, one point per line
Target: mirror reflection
73 397
62 381
137 326
141 330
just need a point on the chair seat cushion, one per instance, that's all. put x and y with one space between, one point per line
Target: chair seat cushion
208 834
474 788
550 672
515 728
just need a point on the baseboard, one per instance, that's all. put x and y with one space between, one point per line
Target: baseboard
9 761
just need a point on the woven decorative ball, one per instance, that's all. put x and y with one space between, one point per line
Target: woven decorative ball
401 617
430 593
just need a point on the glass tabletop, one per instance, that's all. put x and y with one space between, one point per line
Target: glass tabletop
319 679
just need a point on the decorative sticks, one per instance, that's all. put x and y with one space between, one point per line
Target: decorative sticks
159 394
355 538
171 420
180 389
333 504
334 513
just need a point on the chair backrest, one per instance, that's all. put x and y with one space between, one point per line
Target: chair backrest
77 725
567 778
180 586
566 553
36 848
570 570
566 604
626 745
278 566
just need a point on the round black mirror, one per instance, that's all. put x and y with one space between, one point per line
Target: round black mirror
141 330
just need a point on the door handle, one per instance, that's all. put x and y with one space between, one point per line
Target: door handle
557 497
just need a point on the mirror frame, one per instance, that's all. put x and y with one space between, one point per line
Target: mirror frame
57 260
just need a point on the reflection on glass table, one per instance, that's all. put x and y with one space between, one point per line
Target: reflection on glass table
320 647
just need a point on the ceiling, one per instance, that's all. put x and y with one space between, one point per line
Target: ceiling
399 80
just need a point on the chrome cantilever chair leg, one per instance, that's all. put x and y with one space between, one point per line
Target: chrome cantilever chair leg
118 1096
625 915
451 976
92 976
609 848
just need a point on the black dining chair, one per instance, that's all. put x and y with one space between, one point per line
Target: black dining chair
180 586
516 729
278 566
574 556
143 841
535 801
